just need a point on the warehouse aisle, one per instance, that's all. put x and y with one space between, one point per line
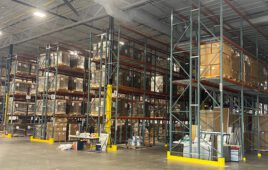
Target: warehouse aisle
19 154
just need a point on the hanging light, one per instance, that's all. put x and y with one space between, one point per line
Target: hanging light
39 14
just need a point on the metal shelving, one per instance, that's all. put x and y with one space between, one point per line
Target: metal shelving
236 94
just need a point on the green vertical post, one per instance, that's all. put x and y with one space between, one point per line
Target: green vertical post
198 79
221 74
117 84
190 83
242 91
170 82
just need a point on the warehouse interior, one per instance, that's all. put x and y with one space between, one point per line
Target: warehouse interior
171 84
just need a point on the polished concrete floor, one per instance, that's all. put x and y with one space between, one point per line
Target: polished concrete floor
20 154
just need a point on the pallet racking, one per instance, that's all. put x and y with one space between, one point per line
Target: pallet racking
207 26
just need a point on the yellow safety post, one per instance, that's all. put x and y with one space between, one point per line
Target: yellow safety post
9 136
219 163
259 155
6 108
244 159
108 113
49 141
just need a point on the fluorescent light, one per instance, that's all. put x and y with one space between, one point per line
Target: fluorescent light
1 33
121 43
39 14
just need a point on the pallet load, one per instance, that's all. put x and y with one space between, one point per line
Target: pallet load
210 61
75 84
20 87
263 129
254 74
77 61
74 108
60 108
17 108
60 130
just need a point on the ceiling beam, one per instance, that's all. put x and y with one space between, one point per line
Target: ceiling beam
238 11
71 7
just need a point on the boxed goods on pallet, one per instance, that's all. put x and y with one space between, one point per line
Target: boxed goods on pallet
210 60
73 129
16 129
60 130
74 107
60 107
263 128
31 108
157 84
60 84
96 106
33 69
62 58
254 72
97 77
20 67
210 120
77 61
54 84
17 108
20 87
75 84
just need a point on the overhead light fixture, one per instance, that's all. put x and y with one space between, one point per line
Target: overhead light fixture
39 14
1 33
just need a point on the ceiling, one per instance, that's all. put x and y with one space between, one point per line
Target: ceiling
72 21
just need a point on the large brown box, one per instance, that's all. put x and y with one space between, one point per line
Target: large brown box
60 129
210 120
210 60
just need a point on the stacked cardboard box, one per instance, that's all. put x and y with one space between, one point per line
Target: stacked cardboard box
210 120
95 106
74 108
77 62
75 84
60 107
20 87
20 67
210 60
263 141
255 72
17 108
60 129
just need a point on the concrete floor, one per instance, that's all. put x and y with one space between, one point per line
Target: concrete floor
20 154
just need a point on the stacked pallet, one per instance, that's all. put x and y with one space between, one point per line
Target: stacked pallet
255 72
